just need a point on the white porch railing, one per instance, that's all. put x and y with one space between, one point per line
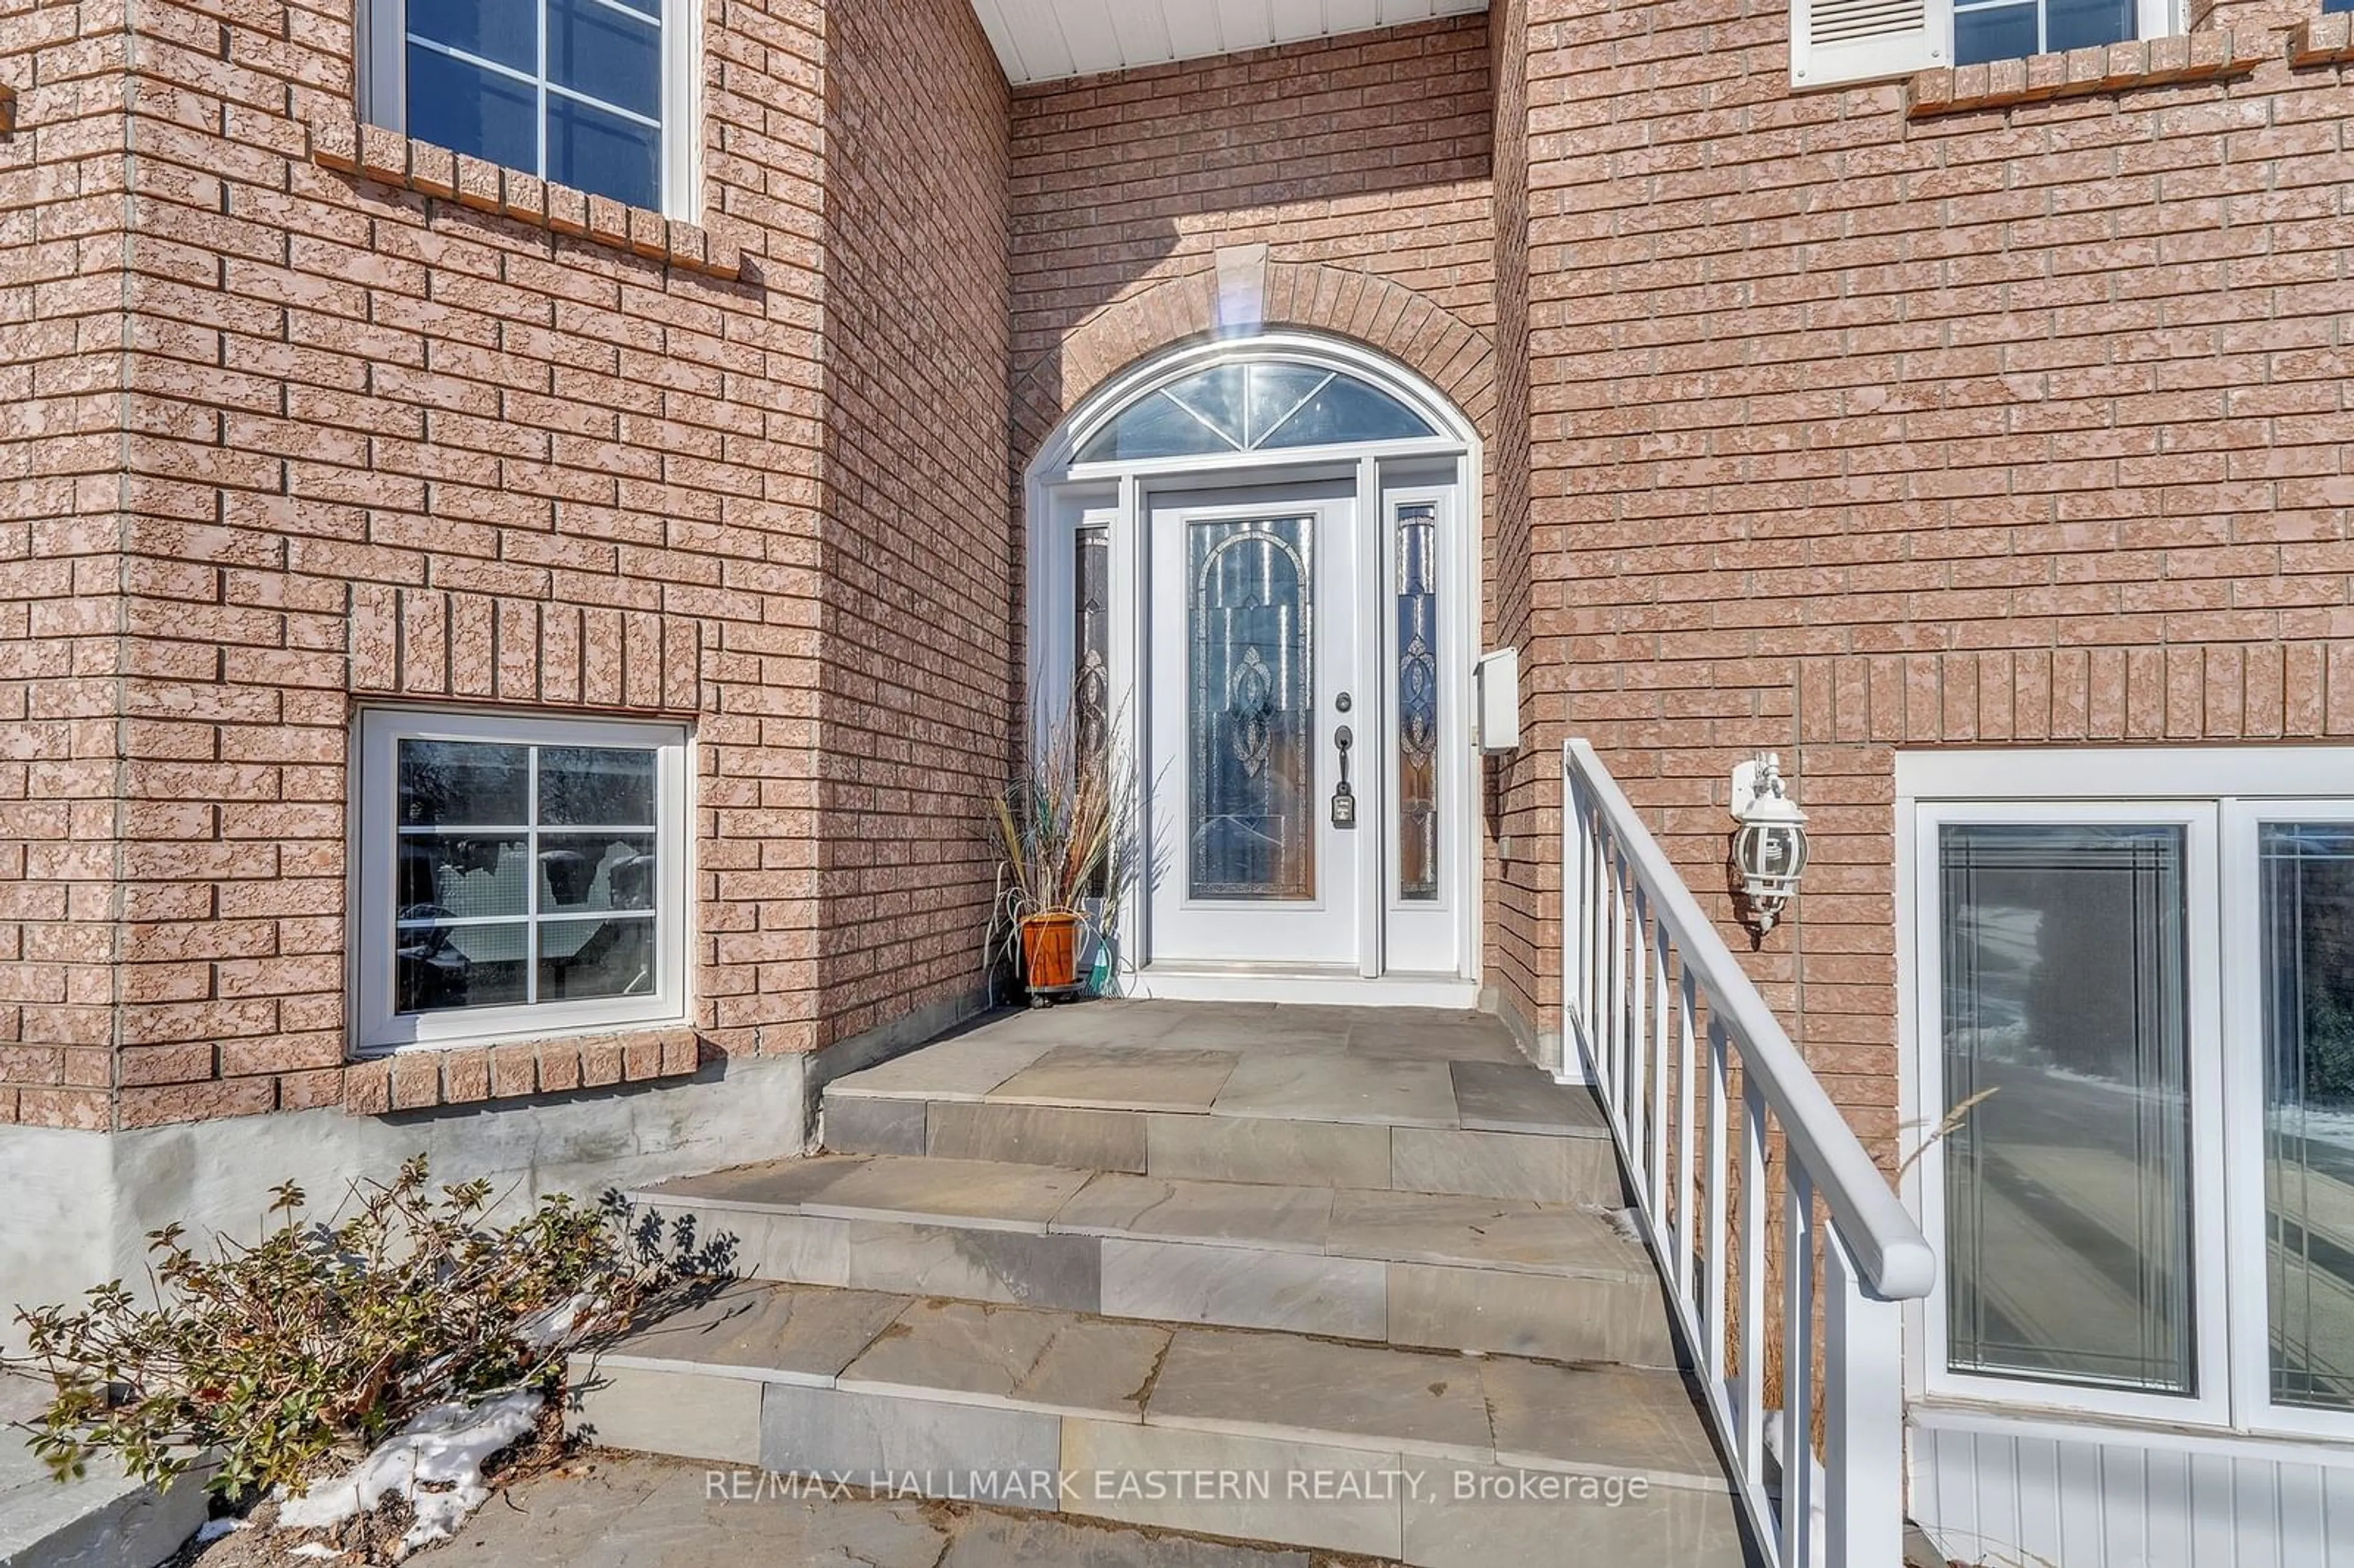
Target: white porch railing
1696 1075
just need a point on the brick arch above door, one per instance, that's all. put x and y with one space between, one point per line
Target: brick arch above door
1243 291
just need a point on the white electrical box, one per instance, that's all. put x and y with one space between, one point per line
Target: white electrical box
1496 699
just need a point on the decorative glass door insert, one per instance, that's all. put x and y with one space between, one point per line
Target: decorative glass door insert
1251 700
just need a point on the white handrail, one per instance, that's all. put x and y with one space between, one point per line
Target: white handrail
1665 1016
1896 1259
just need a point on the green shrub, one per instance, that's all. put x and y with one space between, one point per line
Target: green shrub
317 1342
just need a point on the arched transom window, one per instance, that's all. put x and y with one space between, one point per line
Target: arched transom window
1265 405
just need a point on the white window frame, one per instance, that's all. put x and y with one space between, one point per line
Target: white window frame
2152 20
2221 795
377 1026
383 31
2244 1108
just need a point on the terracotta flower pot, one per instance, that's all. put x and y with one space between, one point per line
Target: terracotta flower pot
1050 949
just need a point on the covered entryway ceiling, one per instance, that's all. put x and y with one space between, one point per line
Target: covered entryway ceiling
1045 40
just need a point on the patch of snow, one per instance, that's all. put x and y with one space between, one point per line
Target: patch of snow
559 1324
1736 1392
434 1463
212 1530
1619 1220
2332 1126
312 1549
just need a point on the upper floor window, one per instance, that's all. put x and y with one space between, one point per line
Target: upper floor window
593 94
517 877
1987 30
1834 41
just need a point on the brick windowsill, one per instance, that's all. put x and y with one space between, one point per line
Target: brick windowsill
373 152
2322 40
425 1077
2198 57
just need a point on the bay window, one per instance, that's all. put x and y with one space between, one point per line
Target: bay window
2131 1008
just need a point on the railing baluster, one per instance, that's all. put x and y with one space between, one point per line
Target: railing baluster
1638 1056
1798 1366
1863 1370
1751 1329
1688 1071
1659 1041
1597 845
1720 1263
1573 918
1613 1002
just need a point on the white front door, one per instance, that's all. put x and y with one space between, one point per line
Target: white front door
1263 831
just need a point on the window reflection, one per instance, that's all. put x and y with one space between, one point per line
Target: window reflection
552 896
2306 888
2068 1188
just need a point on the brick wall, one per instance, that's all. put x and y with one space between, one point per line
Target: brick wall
401 426
61 316
1855 430
1368 152
1520 789
918 566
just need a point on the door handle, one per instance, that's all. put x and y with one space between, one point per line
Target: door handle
1345 799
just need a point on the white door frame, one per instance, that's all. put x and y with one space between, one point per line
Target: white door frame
1062 496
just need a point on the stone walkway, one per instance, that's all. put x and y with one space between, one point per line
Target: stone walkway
630 1511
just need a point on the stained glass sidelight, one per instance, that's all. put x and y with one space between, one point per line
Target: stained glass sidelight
1250 709
1091 638
1417 702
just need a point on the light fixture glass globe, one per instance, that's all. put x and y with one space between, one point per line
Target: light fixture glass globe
1771 855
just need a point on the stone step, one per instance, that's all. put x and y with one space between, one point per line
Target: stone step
1367 1111
1442 1462
1446 1271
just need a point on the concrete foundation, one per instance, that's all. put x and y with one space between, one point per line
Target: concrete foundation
80 1205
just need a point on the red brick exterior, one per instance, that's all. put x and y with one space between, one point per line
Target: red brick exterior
62 214
2000 408
1523 835
311 436
1361 163
1854 431
917 581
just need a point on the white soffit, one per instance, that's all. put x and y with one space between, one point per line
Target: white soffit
1047 40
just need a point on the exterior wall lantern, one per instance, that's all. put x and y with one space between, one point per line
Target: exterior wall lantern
1769 848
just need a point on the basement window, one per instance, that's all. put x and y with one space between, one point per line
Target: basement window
517 877
2131 1012
592 94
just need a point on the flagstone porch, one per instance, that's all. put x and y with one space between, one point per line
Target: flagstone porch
1366 1253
